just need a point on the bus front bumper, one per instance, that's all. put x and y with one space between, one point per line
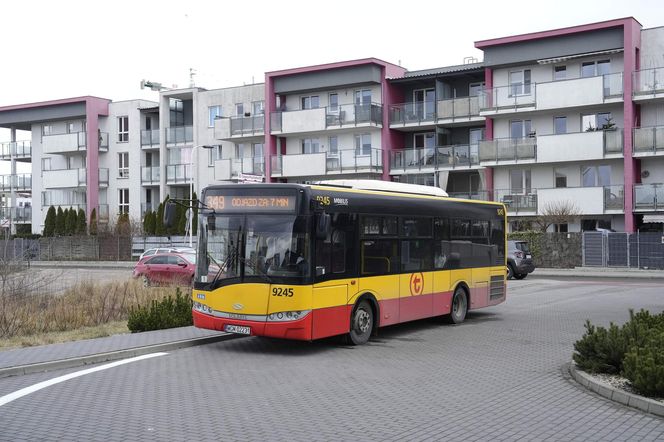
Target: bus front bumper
299 329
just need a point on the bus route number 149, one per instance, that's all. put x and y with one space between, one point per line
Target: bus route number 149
280 291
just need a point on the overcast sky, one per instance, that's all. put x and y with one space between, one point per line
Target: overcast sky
59 49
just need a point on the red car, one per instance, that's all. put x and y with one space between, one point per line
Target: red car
166 268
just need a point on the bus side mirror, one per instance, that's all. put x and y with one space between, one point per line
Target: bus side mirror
323 225
169 214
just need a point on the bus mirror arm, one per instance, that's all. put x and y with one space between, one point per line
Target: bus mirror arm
323 225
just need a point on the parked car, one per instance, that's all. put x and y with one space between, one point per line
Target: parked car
519 260
166 268
157 250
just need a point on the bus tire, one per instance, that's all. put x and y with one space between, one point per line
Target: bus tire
361 323
459 306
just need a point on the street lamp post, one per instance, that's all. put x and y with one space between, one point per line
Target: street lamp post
191 189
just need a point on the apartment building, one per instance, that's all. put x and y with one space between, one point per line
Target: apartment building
570 117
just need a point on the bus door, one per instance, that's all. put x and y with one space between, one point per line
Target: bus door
416 280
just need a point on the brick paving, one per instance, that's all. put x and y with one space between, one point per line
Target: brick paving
499 376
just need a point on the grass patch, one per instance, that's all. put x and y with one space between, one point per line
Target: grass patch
83 311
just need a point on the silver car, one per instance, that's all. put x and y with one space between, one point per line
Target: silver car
519 260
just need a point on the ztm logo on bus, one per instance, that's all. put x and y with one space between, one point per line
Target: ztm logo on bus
416 283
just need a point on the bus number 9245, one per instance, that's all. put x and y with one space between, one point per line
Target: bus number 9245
280 291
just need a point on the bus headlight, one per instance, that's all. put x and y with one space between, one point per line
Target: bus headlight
287 316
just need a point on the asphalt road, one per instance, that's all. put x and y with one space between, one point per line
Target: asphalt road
498 376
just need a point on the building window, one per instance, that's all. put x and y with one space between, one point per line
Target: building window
123 129
310 145
521 128
239 150
599 121
559 125
239 109
123 201
363 97
333 106
310 102
257 150
71 128
520 82
363 144
559 72
561 228
47 129
595 68
214 155
333 147
258 107
213 112
123 165
474 89
561 179
595 176
520 182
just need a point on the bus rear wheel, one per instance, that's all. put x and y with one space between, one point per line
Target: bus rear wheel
459 306
361 323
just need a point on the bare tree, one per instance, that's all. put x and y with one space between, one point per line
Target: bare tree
556 212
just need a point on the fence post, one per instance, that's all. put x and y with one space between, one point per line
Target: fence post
583 249
628 251
638 250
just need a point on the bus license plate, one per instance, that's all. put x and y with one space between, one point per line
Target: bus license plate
237 329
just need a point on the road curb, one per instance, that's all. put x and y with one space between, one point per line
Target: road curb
619 396
112 355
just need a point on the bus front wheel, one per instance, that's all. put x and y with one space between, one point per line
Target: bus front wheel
361 323
459 306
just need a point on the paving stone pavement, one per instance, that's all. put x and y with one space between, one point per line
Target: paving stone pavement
499 376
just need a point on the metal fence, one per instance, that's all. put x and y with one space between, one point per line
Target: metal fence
612 249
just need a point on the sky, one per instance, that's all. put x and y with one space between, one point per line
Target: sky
58 49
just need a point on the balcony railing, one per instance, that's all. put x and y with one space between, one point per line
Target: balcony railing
415 112
64 198
649 82
150 137
316 119
275 121
150 174
353 114
441 157
229 168
253 125
324 163
62 178
649 140
482 195
649 197
16 214
103 141
613 141
18 149
178 173
103 176
552 94
508 149
16 182
464 107
614 197
62 143
179 135
517 201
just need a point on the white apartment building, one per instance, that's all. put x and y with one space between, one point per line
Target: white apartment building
570 116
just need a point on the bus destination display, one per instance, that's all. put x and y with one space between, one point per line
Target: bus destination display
238 203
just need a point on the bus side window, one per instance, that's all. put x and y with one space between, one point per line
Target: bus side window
380 257
441 229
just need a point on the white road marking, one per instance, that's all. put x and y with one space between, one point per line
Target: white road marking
31 389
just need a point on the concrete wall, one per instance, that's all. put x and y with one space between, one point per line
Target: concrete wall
652 48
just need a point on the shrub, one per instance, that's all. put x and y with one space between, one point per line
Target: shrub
165 313
159 225
93 222
60 222
81 225
644 365
49 222
600 350
70 222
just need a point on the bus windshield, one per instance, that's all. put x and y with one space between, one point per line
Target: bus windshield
254 248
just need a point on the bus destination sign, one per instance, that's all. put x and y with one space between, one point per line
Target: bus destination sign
244 203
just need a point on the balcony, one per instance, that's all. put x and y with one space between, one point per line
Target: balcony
150 139
587 200
179 135
63 198
64 143
328 163
430 159
579 146
331 117
508 150
18 215
648 141
103 141
459 109
239 127
413 114
576 92
16 149
230 168
648 84
649 197
178 174
150 175
64 178
518 202
20 182
103 177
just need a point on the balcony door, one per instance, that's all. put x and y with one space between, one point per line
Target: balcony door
520 129
425 147
424 101
362 105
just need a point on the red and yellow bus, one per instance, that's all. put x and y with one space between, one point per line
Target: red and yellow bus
310 261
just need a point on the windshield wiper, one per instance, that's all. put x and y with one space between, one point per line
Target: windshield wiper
232 256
